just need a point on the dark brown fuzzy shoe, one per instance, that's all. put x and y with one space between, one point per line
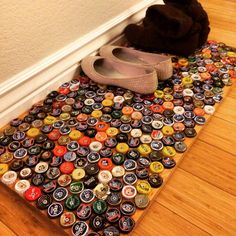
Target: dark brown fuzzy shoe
169 21
148 39
177 28
193 9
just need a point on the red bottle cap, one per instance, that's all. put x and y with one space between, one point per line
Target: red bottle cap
157 108
101 126
64 90
59 151
54 135
32 193
105 164
67 167
84 141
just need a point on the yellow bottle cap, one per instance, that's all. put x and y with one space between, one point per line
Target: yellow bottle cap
168 151
167 130
49 120
3 168
122 147
6 157
78 174
75 134
96 114
159 94
187 80
112 131
143 187
156 167
65 116
168 97
107 103
183 62
33 132
231 54
206 55
144 149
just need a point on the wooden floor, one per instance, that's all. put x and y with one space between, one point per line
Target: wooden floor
200 197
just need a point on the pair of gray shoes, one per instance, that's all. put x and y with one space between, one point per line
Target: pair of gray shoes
128 68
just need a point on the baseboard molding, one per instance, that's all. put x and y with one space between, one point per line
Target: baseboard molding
20 92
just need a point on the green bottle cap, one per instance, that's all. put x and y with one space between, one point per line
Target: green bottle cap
76 187
99 207
72 202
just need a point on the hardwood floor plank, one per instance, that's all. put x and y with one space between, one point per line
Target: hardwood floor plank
215 167
220 133
228 110
5 231
22 218
163 222
232 93
202 204
221 22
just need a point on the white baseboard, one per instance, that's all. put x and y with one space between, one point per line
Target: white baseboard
20 92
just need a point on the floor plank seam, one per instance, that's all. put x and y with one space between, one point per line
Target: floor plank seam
234 195
220 119
215 146
183 218
207 182
9 229
219 116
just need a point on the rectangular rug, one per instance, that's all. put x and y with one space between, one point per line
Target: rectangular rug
84 161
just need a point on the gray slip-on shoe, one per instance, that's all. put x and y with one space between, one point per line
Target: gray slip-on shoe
161 63
137 78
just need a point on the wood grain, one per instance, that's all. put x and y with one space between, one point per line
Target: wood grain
167 224
221 134
219 177
228 110
215 166
222 20
202 204
4 230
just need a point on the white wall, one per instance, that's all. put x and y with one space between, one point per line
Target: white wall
42 43
31 30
